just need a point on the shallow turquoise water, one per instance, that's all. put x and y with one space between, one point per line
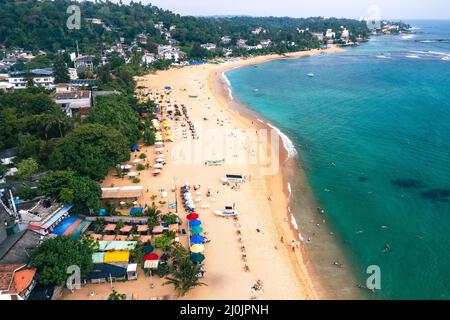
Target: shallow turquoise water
373 129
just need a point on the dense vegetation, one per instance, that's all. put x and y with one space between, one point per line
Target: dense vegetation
54 256
41 25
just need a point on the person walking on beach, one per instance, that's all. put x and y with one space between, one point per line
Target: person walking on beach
282 239
293 246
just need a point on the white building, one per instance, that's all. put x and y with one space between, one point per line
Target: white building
84 62
330 34
148 58
241 43
266 43
258 31
72 100
225 39
170 53
345 34
209 46
41 78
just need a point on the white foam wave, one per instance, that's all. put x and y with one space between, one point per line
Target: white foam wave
408 37
286 141
413 56
383 57
227 81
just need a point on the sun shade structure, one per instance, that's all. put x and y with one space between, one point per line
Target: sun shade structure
151 257
142 228
197 239
126 229
197 248
147 249
196 230
192 216
110 227
158 229
197 257
116 256
195 223
145 239
116 245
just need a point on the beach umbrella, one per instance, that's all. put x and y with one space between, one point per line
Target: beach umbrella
159 149
197 257
159 160
192 216
196 230
195 223
156 172
132 174
196 239
197 248
151 256
147 249
158 166
159 143
136 160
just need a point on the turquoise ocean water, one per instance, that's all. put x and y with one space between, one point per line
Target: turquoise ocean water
372 130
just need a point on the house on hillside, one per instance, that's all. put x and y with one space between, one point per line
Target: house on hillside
84 63
39 77
209 46
72 100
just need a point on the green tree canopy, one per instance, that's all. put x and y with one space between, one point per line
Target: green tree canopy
54 256
68 188
91 150
115 112
27 168
60 70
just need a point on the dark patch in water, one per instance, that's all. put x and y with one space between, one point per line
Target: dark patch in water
363 179
440 195
408 183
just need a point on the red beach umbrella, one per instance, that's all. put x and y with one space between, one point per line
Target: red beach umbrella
192 216
151 256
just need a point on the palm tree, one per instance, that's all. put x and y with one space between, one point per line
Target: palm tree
153 212
177 252
185 277
117 296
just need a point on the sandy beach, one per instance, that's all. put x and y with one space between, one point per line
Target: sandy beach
264 223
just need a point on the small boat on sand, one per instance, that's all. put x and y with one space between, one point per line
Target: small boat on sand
228 212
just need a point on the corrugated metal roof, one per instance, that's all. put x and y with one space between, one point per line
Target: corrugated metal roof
117 245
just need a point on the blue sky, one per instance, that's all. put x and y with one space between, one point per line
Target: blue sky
399 9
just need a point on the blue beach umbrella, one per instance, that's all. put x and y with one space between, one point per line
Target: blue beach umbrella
194 223
196 239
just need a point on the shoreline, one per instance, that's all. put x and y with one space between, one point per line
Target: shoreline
289 159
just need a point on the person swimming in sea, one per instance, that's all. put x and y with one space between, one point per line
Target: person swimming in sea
387 248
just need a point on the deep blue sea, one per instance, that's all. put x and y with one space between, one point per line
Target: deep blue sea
372 129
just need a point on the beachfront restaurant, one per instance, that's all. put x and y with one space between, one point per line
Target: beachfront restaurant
47 225
111 262
122 194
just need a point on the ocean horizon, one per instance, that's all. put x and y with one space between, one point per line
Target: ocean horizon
372 135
